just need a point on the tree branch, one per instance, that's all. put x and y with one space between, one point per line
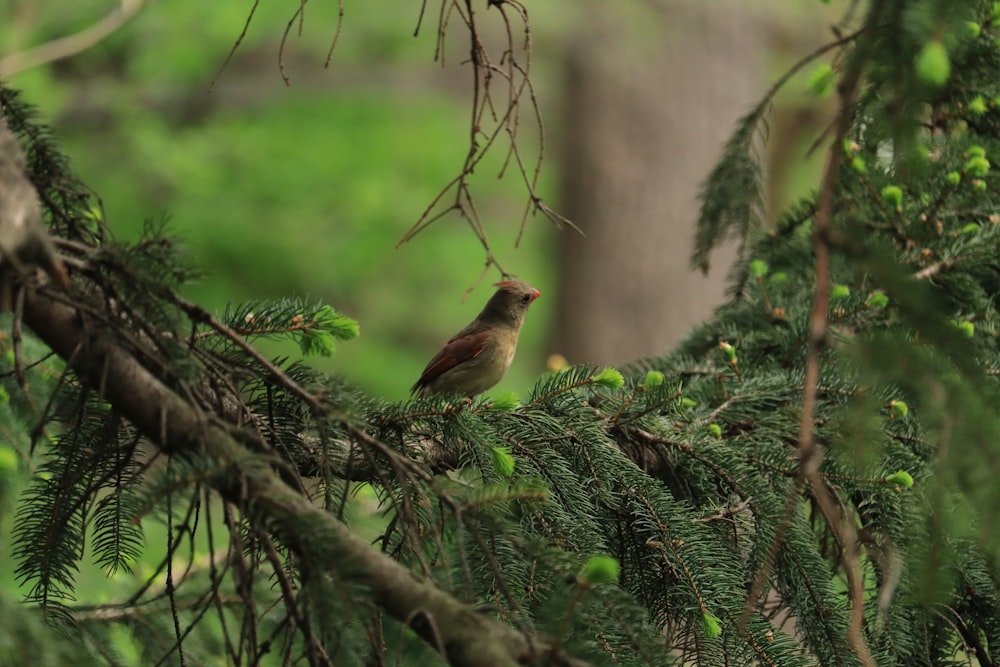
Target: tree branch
71 44
466 637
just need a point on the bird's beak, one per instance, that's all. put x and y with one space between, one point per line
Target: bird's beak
535 294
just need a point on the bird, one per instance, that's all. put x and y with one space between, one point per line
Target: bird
478 356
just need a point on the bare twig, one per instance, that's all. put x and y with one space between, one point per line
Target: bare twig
236 44
810 455
71 44
933 269
336 35
724 513
489 119
124 612
299 13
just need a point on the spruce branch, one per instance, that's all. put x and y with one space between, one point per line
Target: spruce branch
466 637
199 314
731 197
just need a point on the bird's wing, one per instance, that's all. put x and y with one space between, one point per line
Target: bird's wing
459 349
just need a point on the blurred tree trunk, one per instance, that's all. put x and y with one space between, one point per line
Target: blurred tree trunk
642 128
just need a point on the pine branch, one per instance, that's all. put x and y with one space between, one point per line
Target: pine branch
468 638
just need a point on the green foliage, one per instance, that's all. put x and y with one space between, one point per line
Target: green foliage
316 328
653 379
505 401
610 378
710 626
913 250
821 80
682 471
732 196
599 570
901 478
503 462
933 66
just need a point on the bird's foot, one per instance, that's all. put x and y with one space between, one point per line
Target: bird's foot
455 408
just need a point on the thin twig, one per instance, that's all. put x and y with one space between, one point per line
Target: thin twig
810 455
236 45
488 121
933 269
64 47
336 35
284 40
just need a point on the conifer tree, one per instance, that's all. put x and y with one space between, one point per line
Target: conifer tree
810 478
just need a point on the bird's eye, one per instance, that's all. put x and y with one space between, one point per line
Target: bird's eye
526 298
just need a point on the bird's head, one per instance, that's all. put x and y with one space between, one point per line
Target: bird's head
510 301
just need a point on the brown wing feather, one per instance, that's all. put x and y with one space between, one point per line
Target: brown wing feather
459 349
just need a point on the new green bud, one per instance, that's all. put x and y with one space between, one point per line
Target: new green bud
503 462
901 478
977 106
821 80
877 300
317 341
975 150
687 403
729 350
933 66
710 625
839 292
599 570
778 278
977 166
858 165
967 327
970 228
340 325
953 177
610 378
653 379
893 196
505 401
758 268
973 29
715 431
899 408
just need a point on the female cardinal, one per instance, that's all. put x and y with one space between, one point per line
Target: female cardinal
478 356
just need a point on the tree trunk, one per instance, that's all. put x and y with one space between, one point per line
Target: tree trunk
650 99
